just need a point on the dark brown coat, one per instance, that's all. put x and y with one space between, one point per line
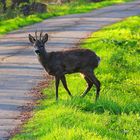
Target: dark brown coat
66 62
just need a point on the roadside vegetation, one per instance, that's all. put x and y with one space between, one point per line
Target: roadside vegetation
9 22
116 115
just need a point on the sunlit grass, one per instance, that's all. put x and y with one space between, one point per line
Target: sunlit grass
116 115
78 6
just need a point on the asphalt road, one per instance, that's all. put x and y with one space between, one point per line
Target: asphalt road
19 68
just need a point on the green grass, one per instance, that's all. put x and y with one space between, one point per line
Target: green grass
116 115
77 6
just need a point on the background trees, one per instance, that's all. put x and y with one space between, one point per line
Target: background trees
27 7
12 8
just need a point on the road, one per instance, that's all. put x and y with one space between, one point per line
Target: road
19 68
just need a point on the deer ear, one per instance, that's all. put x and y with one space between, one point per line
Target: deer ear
31 39
45 38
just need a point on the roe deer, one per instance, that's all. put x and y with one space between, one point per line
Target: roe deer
66 62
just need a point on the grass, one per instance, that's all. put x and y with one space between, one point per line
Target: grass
77 6
116 115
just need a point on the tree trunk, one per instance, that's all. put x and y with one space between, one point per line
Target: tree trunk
4 5
62 1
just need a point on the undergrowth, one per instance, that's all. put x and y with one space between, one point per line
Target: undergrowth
76 6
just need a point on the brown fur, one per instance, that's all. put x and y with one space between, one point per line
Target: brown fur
66 62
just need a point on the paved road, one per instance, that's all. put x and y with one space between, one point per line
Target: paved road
19 68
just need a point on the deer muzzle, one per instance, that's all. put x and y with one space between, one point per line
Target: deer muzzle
37 52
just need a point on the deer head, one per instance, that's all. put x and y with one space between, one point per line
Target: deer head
38 44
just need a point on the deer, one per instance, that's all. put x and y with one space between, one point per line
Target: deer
60 63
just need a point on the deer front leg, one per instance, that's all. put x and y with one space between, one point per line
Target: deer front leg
63 79
57 80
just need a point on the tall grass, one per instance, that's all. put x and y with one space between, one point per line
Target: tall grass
76 6
116 115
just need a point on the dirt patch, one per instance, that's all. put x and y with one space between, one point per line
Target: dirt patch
27 109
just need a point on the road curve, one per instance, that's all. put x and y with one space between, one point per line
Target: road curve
19 68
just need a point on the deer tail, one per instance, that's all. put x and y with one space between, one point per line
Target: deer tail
98 59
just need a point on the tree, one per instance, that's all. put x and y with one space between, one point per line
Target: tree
62 1
18 2
4 5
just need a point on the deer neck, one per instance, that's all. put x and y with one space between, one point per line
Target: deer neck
43 58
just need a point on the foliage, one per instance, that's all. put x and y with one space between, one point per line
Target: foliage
116 115
78 6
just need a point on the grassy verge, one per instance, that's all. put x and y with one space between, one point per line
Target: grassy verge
116 115
78 6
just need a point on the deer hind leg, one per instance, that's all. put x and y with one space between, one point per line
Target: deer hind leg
57 80
90 84
98 89
63 79
92 78
96 82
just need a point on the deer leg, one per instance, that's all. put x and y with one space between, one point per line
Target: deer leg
96 82
63 79
90 84
57 80
91 77
98 85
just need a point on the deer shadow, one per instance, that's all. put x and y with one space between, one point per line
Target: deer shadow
89 105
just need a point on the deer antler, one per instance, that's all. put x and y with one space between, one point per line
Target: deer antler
36 35
41 34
